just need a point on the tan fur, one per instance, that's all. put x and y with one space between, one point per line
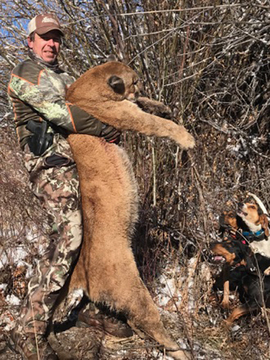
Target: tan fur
92 93
225 303
265 225
106 268
229 219
218 249
236 314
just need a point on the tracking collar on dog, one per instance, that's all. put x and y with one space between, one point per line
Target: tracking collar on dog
257 234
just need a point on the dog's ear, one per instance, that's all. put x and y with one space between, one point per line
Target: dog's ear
228 219
117 84
265 224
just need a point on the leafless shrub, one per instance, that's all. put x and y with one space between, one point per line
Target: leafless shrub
209 61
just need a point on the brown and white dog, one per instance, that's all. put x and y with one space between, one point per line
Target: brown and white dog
256 224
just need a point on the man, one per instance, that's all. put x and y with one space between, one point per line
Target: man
43 119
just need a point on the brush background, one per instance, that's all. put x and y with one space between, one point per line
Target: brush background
209 62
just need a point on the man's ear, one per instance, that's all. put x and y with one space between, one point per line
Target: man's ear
29 42
117 84
265 225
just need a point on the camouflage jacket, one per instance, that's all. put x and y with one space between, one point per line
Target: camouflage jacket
37 92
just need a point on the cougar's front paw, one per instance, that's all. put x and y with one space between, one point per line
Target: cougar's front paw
185 139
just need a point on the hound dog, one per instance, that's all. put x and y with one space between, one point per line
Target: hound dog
253 286
255 227
244 232
228 278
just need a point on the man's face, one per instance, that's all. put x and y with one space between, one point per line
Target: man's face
46 46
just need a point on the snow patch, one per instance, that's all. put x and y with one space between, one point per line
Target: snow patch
12 256
13 300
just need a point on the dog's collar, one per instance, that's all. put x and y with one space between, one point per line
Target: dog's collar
250 234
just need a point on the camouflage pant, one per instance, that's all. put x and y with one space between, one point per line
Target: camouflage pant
58 190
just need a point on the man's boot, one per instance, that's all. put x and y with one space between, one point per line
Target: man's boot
32 347
108 324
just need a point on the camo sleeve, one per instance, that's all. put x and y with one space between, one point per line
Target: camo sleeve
45 93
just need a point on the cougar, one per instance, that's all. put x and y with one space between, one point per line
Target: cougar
106 269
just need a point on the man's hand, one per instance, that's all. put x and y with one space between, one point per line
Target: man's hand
110 134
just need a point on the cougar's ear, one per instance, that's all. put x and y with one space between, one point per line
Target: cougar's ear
117 84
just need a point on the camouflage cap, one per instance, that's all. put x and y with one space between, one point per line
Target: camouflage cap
44 23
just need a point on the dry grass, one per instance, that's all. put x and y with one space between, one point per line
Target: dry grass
171 236
210 63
